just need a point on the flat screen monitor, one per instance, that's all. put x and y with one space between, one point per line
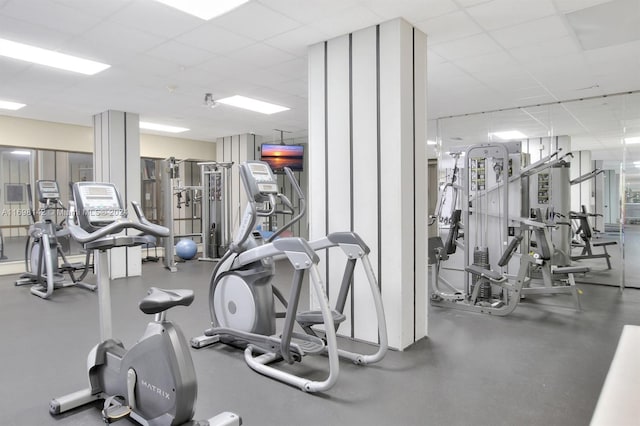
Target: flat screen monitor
281 156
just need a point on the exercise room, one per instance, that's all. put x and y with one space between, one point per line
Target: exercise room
285 212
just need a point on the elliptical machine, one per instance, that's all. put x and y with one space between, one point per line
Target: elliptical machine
241 293
43 247
154 381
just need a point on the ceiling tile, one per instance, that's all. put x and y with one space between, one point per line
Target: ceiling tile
113 43
144 64
306 11
449 27
489 63
470 46
214 39
95 8
256 21
546 50
503 13
181 54
25 32
261 55
294 69
347 21
608 24
51 15
468 3
532 32
411 10
223 66
566 6
297 40
155 18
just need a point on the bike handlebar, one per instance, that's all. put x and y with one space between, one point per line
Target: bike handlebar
118 225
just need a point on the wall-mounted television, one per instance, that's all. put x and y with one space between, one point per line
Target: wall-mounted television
281 156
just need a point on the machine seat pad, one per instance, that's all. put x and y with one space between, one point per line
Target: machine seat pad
158 300
315 317
494 276
605 243
570 270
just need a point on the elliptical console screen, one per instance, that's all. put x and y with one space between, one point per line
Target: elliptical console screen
47 190
264 178
100 203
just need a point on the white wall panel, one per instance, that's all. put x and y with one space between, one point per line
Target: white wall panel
421 183
338 209
365 173
317 194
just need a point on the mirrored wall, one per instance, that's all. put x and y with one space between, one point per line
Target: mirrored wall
598 140
19 170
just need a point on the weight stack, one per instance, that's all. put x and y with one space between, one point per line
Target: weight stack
481 259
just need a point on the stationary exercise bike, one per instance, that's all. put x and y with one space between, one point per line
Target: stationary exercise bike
241 294
43 247
154 381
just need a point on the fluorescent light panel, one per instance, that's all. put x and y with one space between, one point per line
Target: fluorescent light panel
509 135
37 55
253 104
162 127
632 141
13 106
204 9
21 152
432 142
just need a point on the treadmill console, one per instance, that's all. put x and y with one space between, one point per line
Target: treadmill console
97 204
47 191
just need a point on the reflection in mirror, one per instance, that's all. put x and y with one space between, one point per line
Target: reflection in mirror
19 170
16 173
586 186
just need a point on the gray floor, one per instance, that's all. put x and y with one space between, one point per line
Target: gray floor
540 366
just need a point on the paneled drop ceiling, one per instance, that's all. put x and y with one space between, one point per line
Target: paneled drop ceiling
482 55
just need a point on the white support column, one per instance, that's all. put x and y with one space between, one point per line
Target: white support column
117 160
237 149
367 169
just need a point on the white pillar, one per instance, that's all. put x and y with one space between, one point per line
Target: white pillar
237 149
367 169
116 159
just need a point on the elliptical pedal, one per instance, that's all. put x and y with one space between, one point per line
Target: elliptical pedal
308 344
309 318
114 409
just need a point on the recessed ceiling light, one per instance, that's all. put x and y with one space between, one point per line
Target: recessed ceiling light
432 142
21 152
253 104
37 55
632 141
509 135
13 106
204 9
162 127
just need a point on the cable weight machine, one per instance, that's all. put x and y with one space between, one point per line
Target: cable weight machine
213 195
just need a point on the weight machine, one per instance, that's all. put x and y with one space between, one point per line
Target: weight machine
492 214
213 196
215 179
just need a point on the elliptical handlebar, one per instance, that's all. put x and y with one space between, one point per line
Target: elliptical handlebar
301 198
82 236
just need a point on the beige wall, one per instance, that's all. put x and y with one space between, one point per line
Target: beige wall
68 137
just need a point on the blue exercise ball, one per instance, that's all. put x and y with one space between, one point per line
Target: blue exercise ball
186 249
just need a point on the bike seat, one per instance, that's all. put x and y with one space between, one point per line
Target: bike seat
158 300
